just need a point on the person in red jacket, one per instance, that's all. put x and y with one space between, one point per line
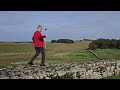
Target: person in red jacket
39 46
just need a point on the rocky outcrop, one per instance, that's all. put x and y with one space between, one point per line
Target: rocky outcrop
82 70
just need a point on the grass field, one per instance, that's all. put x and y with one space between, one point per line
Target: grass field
113 77
56 53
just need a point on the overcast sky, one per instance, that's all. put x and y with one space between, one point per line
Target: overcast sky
20 25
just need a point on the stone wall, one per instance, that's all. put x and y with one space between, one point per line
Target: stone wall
82 70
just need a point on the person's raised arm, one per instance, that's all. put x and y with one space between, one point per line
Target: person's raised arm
41 36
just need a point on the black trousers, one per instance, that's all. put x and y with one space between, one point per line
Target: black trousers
38 50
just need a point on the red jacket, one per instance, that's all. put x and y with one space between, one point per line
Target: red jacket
38 39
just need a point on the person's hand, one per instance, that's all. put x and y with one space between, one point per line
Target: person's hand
44 36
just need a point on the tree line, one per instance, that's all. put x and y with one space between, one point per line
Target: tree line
62 41
105 44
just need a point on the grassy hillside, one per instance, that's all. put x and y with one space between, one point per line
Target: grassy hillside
20 53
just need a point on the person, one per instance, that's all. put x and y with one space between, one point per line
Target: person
39 46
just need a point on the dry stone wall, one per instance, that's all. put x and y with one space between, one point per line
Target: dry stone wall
81 70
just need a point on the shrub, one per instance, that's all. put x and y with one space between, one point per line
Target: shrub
104 44
92 46
87 40
53 41
65 41
62 41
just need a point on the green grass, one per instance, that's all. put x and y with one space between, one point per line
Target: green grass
108 53
113 77
16 47
82 55
20 53
56 53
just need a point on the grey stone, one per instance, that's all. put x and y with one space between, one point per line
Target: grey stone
30 77
82 70
60 73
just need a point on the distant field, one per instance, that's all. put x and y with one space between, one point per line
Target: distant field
20 53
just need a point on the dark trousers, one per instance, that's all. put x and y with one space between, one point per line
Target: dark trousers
38 50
